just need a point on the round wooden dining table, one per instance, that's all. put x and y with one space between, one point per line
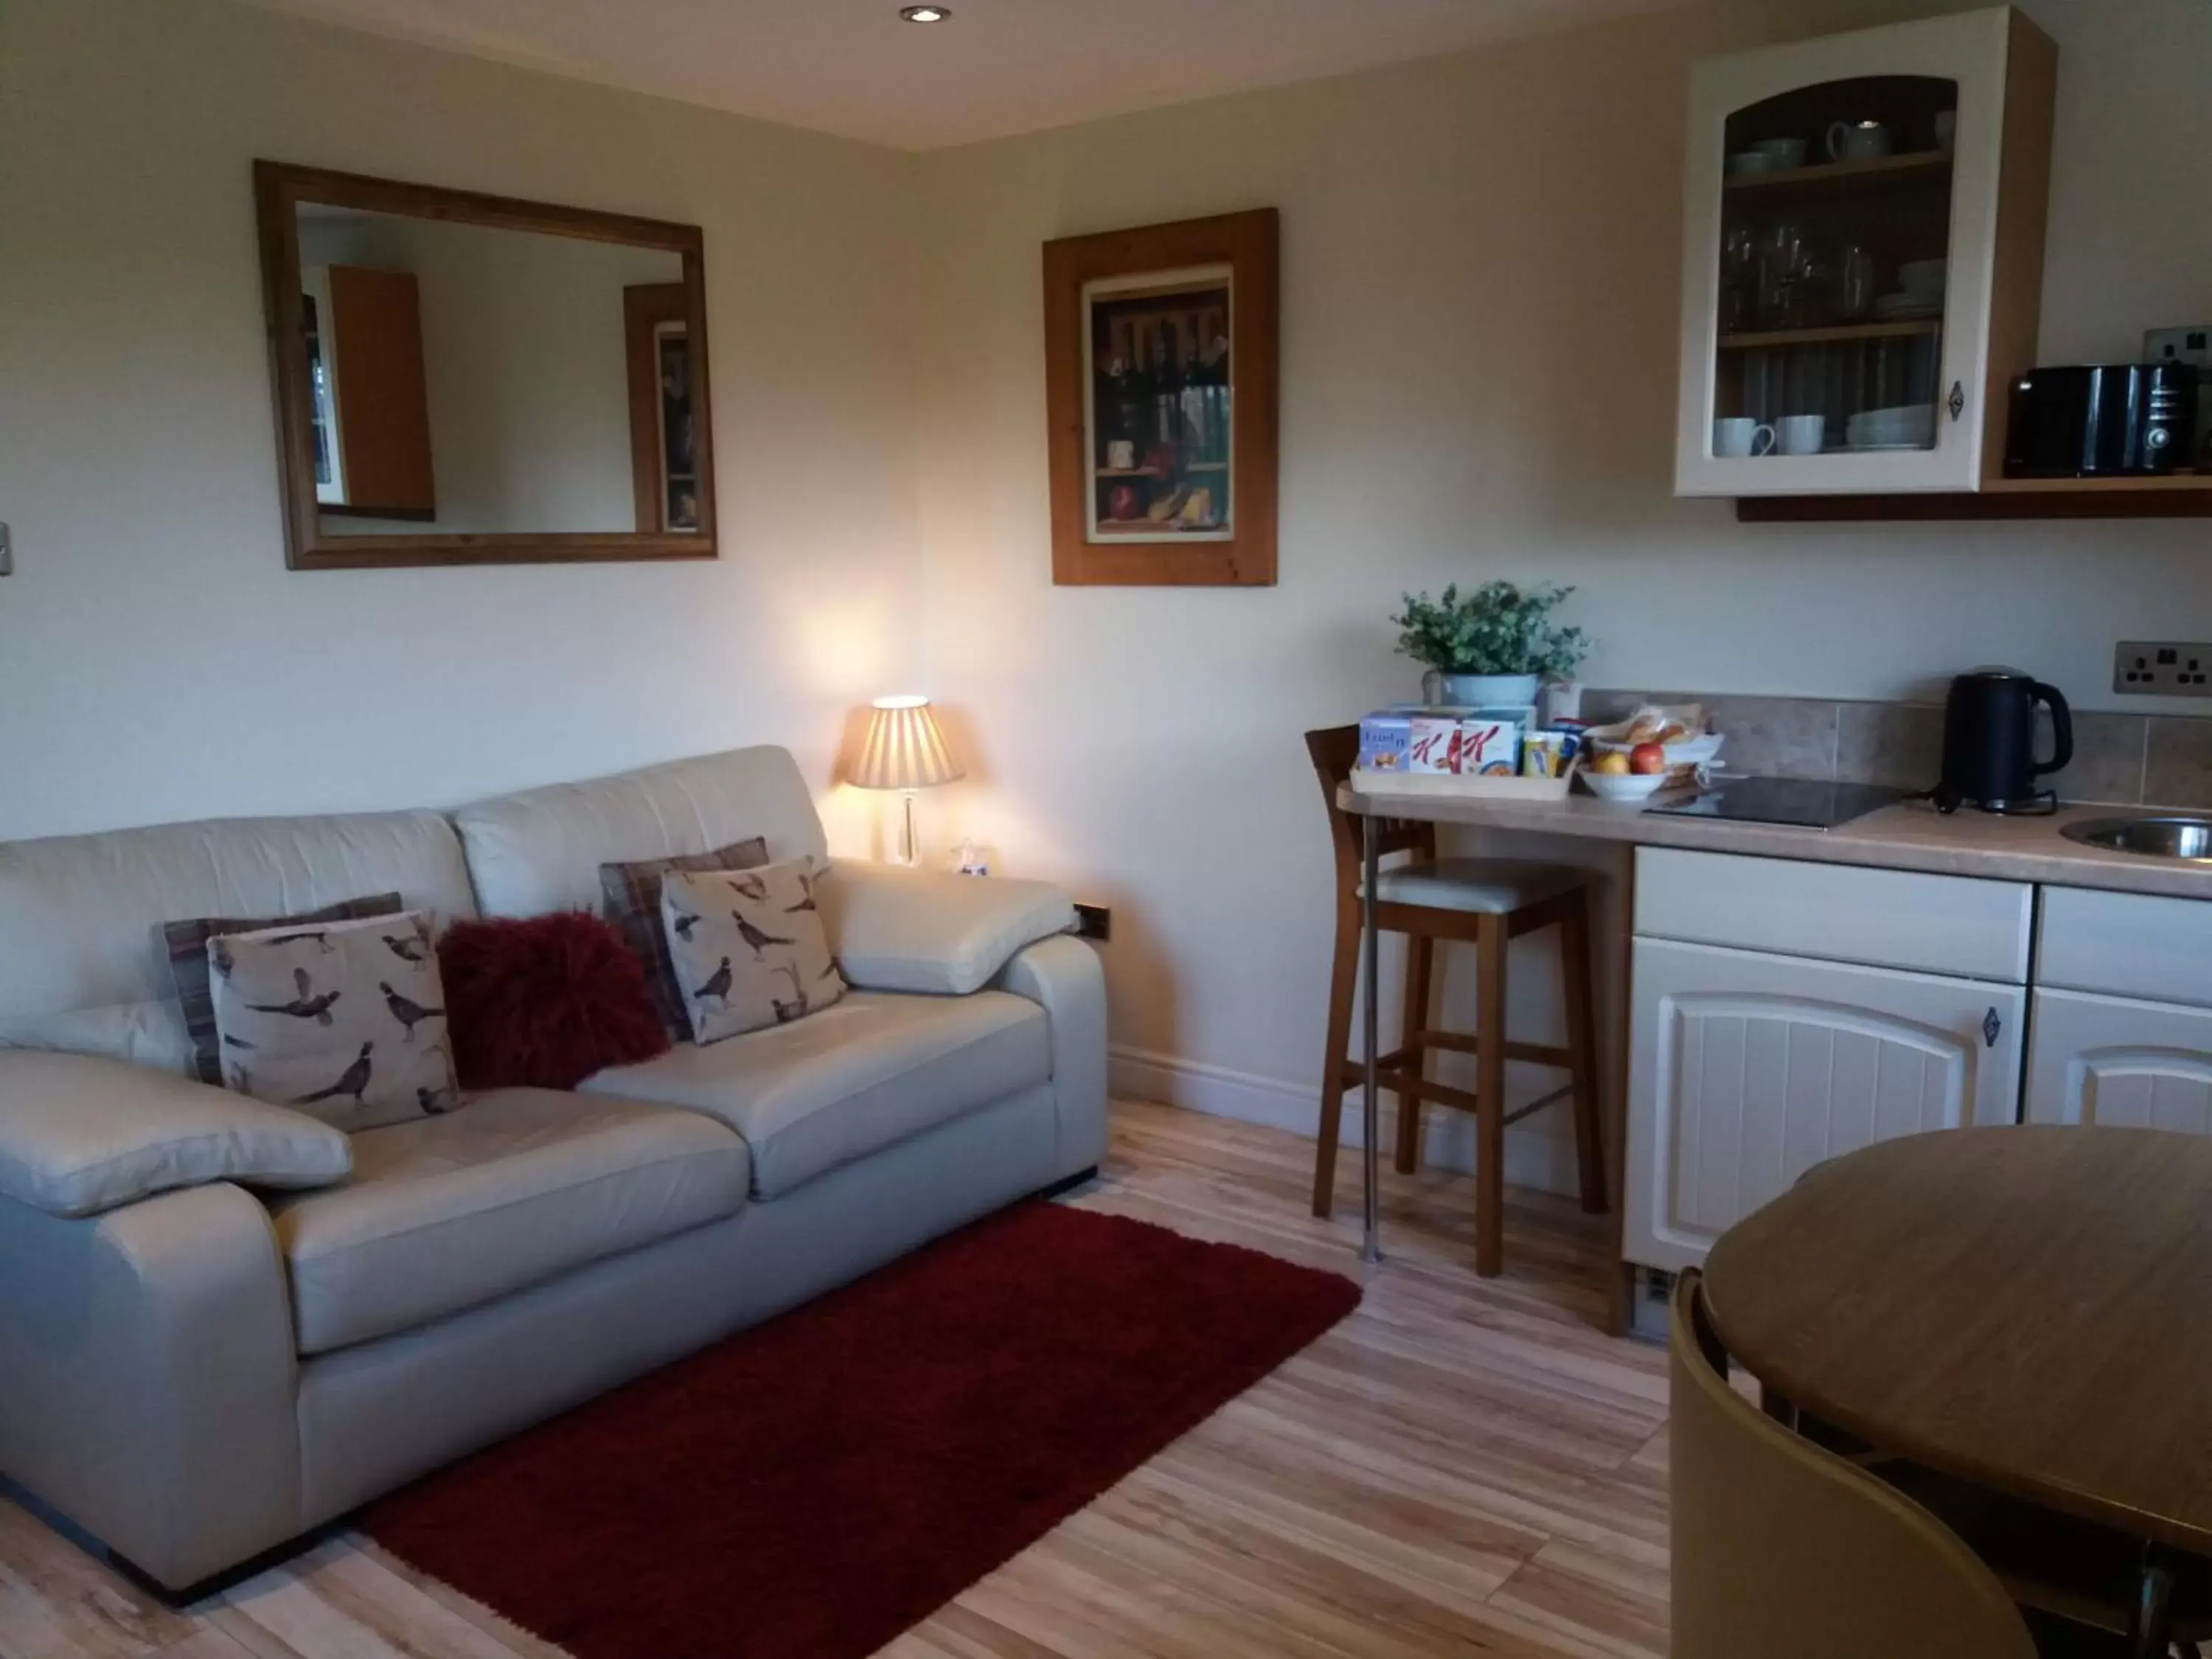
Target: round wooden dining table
2026 1308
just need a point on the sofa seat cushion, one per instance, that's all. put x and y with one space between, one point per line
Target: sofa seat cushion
520 1186
875 1069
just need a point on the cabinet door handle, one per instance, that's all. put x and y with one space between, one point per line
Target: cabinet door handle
1957 401
1990 1026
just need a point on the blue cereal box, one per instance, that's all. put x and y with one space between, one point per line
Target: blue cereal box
1383 740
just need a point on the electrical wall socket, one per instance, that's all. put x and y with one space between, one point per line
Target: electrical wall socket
2162 668
2188 345
1094 921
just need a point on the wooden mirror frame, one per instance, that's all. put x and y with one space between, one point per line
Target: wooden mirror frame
279 188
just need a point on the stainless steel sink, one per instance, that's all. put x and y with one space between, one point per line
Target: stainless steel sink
2188 839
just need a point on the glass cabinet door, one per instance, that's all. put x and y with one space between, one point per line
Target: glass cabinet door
1841 210
1835 238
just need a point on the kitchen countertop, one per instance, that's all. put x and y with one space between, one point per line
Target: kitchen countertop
1909 835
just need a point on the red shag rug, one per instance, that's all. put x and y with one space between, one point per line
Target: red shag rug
810 1488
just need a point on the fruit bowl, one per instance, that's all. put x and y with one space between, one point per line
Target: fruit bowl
1623 785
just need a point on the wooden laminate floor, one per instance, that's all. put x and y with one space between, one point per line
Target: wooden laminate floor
1460 1467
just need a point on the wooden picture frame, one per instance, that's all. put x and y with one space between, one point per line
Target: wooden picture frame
279 190
1196 304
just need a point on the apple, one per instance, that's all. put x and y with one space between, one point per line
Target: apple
1646 758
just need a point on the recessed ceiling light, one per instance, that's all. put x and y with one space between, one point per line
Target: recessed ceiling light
925 14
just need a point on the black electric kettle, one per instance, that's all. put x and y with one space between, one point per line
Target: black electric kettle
1988 742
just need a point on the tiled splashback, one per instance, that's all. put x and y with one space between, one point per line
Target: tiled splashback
2134 760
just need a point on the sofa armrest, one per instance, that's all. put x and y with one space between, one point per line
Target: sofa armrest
894 929
80 1134
150 1391
1064 975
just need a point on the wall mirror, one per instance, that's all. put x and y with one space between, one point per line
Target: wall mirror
469 380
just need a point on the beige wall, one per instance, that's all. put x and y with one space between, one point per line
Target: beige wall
156 659
1479 259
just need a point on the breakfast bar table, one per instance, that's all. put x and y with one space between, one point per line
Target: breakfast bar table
2027 1308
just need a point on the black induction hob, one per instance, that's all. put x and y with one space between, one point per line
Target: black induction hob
1803 801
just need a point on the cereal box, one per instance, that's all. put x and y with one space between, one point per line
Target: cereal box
1433 742
1384 738
1490 746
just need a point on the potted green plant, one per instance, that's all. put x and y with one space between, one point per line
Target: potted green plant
1492 649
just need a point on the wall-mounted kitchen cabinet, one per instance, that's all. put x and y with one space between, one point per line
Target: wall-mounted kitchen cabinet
1865 221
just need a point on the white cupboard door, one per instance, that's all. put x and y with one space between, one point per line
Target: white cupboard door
2115 1061
1745 1070
1775 330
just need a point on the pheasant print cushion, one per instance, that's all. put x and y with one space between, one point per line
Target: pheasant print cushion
748 947
346 1022
630 896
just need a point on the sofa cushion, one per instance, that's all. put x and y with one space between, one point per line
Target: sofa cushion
445 1212
84 966
835 1086
629 898
541 850
541 1002
187 942
345 1020
748 948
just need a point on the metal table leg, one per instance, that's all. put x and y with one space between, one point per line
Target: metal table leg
1370 1249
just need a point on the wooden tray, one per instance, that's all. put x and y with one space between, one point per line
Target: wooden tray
1494 788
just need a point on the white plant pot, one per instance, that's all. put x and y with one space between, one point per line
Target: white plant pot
1479 691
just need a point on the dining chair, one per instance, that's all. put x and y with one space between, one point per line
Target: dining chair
1486 903
2145 1602
1779 1546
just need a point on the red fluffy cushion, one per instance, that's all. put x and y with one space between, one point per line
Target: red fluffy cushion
544 1002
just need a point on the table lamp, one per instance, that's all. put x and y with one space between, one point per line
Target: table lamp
905 750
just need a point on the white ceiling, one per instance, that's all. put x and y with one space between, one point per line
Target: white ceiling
998 67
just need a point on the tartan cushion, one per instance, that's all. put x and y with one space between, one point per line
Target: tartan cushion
629 896
188 964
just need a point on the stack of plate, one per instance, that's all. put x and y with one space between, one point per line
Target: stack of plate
1920 285
1908 426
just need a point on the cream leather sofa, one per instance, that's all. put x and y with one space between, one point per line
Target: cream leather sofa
199 1377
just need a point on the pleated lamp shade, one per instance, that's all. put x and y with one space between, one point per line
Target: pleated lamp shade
905 749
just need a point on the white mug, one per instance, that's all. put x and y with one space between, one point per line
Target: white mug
1800 435
1857 141
1780 153
1121 455
1736 438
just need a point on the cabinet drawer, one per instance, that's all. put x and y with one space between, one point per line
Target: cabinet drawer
1836 913
2130 944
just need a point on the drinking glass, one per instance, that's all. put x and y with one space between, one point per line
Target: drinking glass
1855 281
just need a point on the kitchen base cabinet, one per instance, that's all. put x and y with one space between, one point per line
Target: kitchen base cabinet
1745 1069
2116 1061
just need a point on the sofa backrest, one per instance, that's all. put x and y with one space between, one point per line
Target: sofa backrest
541 850
82 964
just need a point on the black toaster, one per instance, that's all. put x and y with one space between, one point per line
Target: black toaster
2102 420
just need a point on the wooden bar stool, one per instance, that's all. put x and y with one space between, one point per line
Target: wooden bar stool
1487 903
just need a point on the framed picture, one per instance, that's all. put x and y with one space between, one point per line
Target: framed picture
1160 380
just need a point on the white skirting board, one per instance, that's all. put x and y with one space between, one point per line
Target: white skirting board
1538 1152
